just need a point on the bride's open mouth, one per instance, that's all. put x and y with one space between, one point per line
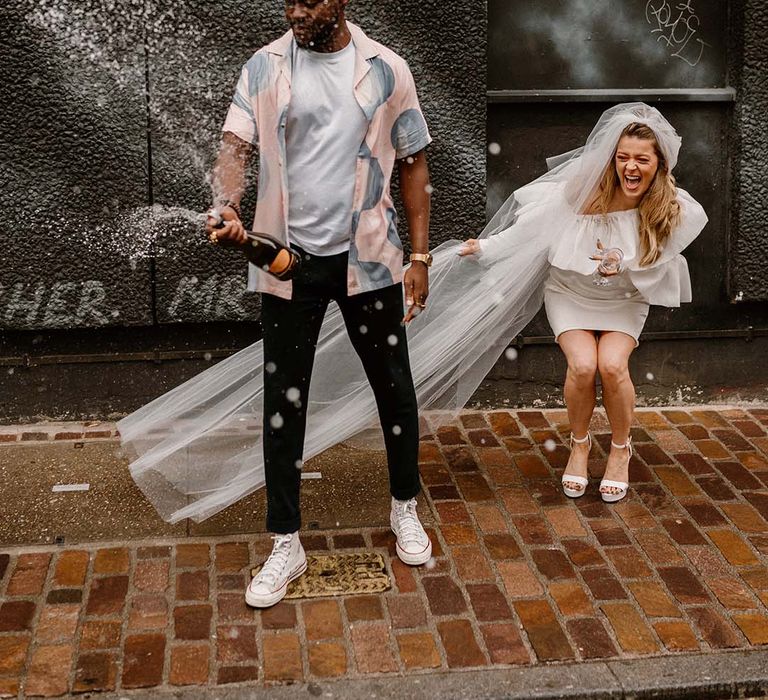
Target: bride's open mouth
632 182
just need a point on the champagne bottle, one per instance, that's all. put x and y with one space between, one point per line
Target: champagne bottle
264 251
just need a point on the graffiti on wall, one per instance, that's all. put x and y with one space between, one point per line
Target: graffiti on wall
677 26
217 296
85 304
55 305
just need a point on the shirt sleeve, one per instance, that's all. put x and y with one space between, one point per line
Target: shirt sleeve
409 132
241 117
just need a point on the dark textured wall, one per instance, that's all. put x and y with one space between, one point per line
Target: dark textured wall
73 157
749 258
110 108
606 44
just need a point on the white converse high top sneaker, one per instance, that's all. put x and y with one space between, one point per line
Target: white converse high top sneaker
413 545
286 563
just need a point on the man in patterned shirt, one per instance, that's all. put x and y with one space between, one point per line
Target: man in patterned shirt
332 114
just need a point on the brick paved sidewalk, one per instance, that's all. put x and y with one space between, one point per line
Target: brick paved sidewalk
521 574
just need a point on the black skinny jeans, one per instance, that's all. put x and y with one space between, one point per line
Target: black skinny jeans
291 328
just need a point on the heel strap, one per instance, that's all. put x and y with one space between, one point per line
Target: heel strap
626 445
581 441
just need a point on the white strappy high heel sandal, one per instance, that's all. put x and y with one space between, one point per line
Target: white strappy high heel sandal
623 486
572 478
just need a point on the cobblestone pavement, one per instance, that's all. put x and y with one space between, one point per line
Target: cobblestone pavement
521 574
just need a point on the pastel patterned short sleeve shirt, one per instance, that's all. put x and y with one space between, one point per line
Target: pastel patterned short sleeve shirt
385 91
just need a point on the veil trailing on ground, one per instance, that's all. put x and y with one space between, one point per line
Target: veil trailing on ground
197 449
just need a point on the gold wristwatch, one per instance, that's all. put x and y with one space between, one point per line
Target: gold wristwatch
426 258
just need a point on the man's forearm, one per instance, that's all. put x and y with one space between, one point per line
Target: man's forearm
228 178
415 190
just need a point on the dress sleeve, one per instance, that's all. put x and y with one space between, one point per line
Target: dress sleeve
536 212
667 281
692 222
490 247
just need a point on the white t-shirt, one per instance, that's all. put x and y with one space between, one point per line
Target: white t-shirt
324 130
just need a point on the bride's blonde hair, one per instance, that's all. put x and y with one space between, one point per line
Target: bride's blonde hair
659 209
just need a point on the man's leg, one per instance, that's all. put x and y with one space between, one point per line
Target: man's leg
374 324
291 328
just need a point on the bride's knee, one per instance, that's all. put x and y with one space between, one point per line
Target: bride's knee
582 371
613 371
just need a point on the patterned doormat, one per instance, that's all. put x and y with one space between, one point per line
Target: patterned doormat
339 574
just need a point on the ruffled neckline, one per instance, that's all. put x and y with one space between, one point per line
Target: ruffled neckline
615 229
608 213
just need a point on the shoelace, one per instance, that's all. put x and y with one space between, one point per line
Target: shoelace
408 522
275 564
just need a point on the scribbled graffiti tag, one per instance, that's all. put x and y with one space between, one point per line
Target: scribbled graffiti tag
677 25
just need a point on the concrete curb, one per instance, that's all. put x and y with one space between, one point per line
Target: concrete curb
711 676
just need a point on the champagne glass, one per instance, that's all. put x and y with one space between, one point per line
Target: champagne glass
610 264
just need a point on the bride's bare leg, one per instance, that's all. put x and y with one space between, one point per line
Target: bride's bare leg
613 353
580 349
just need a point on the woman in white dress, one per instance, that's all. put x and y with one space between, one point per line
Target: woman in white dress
635 225
197 449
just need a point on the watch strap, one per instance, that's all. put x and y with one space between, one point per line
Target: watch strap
426 258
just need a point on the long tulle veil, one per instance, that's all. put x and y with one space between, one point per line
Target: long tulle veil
197 449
